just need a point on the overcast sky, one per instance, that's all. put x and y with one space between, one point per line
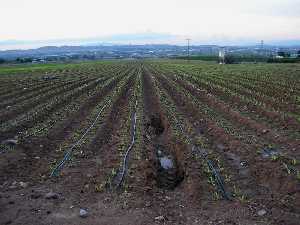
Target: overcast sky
197 19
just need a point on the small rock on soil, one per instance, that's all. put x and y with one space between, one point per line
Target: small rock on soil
83 213
52 195
23 184
159 218
261 212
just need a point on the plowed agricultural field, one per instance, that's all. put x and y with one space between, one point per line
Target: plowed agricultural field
150 142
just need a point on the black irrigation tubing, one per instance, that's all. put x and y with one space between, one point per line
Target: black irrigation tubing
214 171
69 152
218 179
125 159
203 154
216 174
96 80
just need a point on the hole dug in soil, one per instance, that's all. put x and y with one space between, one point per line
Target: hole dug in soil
169 173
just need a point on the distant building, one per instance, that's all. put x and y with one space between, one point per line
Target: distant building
222 55
283 54
279 57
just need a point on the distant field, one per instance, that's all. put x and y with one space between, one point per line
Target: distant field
19 69
201 134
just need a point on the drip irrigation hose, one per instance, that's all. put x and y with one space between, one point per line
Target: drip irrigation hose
50 126
214 171
125 159
69 152
218 179
209 162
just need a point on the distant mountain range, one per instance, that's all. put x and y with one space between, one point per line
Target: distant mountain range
114 51
139 38
143 45
119 39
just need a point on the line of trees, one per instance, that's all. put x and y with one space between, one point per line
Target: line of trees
233 59
2 61
284 60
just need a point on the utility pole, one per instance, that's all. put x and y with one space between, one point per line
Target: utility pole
188 48
262 47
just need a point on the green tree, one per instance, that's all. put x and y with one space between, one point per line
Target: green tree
2 61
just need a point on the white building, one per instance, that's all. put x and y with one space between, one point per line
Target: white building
222 55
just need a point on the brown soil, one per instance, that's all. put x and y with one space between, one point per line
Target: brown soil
166 185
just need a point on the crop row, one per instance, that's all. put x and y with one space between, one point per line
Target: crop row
239 156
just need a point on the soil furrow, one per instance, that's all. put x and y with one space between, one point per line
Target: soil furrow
45 112
41 100
284 121
47 145
255 166
259 130
33 94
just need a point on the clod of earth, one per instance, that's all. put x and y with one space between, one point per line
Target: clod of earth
262 212
160 218
23 184
35 195
52 195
